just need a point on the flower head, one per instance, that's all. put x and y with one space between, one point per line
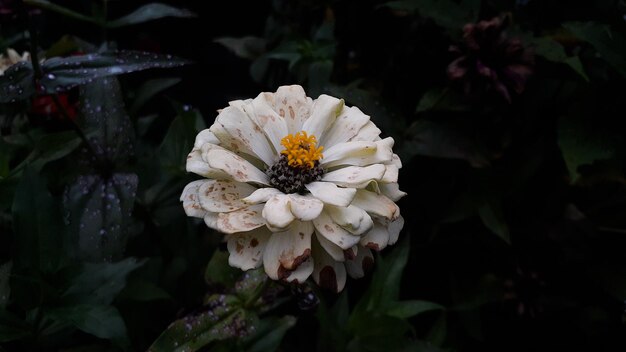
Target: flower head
11 58
489 60
303 187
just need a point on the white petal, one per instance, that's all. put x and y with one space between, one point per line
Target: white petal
277 212
391 190
286 250
333 250
323 114
245 219
330 193
293 105
369 133
239 104
328 273
395 159
261 195
190 200
377 238
305 208
302 272
325 226
351 218
223 196
359 153
376 204
394 229
363 263
355 176
246 249
197 164
250 135
271 123
347 125
235 166
210 219
205 136
391 174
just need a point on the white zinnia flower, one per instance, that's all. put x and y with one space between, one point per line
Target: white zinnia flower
304 187
11 58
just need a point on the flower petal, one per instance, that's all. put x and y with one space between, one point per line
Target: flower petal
323 114
271 123
369 132
205 136
347 125
394 229
355 176
302 272
197 164
333 250
305 208
327 273
359 153
391 174
190 199
330 193
377 238
351 218
235 166
250 135
242 220
286 250
223 196
376 204
391 190
261 195
246 249
277 212
362 263
210 219
293 105
326 227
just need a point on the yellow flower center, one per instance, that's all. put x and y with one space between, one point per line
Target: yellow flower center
301 150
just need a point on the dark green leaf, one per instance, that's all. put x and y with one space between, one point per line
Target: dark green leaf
150 12
245 47
99 283
269 334
37 221
609 44
220 320
17 82
12 328
492 216
179 140
101 321
143 291
446 13
47 5
219 272
5 289
150 89
553 51
438 99
50 147
61 74
407 309
250 284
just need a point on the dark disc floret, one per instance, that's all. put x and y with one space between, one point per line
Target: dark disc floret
292 179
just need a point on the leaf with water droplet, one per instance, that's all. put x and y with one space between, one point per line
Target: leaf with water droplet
63 73
150 89
150 12
17 82
220 319
99 212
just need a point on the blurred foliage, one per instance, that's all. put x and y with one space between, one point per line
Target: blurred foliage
506 114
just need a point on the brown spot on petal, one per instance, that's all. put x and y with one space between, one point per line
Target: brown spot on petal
254 242
328 278
292 264
238 247
329 228
349 254
301 235
373 246
367 264
281 112
292 113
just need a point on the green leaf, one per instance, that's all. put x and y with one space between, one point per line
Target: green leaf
37 222
269 334
219 272
245 47
143 291
49 6
5 159
179 140
446 13
50 147
407 309
5 289
101 321
492 216
63 73
440 99
610 45
100 283
553 51
17 82
150 89
381 333
150 12
220 320
99 214
12 328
